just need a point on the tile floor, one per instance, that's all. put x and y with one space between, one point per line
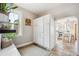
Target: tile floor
61 49
33 50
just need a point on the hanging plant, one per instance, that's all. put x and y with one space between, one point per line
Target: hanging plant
5 7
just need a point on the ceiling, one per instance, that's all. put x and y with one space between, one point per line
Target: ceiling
56 9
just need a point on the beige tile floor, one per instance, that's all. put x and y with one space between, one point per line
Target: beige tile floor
61 49
33 50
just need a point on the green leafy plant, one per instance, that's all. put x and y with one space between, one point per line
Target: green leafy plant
10 36
2 7
5 7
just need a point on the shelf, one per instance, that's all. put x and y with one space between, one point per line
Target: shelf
7 31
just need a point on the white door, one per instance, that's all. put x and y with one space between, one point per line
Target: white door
46 32
40 31
52 33
35 31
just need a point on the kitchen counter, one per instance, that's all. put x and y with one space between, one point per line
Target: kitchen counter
10 51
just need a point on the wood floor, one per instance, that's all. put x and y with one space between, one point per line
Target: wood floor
64 49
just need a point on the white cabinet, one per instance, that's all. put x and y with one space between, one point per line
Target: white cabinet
44 31
38 31
46 22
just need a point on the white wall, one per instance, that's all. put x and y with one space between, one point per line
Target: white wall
3 18
25 31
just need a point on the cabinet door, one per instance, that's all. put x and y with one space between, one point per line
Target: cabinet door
40 31
52 33
35 31
46 32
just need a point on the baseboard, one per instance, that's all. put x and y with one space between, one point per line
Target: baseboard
24 44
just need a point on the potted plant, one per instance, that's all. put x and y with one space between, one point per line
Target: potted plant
7 39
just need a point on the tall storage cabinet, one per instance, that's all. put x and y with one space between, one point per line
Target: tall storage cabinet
44 31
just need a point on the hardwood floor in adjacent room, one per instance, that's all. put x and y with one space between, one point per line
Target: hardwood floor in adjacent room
64 49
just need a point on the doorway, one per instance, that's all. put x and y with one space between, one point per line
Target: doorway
66 35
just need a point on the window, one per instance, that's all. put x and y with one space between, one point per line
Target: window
13 17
